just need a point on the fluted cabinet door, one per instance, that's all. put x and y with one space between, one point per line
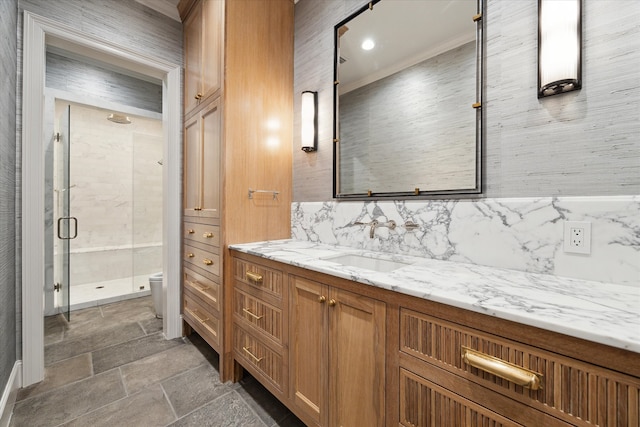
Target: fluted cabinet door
211 134
191 172
192 58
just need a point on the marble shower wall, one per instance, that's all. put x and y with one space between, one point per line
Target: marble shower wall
523 234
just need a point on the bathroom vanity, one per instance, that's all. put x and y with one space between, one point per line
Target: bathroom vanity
347 337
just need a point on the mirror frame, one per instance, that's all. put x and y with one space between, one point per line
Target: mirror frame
479 18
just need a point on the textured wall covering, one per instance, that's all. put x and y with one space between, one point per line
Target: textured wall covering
579 144
82 78
8 302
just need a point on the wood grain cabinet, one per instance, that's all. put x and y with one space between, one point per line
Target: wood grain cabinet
203 41
482 376
201 186
337 355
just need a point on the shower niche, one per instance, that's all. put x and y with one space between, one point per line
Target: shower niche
107 204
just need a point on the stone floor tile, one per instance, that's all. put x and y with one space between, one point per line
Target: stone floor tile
229 410
266 406
160 366
71 401
151 326
98 340
60 374
130 351
148 408
133 310
54 327
205 349
192 389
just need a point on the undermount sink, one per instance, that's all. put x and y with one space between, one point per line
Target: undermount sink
368 263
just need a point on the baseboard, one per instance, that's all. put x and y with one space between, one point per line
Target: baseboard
9 394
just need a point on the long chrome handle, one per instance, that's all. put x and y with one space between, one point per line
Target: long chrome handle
255 277
251 314
502 369
253 356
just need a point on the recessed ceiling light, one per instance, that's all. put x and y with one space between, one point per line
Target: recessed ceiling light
368 44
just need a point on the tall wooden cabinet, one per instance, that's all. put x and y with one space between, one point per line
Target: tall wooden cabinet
238 116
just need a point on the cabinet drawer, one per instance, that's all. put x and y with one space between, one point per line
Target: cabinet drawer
425 404
202 233
205 322
258 276
204 288
259 314
208 261
575 391
258 358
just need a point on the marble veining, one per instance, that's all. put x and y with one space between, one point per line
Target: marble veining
524 234
605 313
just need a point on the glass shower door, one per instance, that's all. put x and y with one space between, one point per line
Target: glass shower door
67 226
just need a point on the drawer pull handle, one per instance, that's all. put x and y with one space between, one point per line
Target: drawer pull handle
207 261
195 313
498 367
203 288
190 255
207 235
248 351
191 231
251 314
255 277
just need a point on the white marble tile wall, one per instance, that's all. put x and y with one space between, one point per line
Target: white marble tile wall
116 194
523 234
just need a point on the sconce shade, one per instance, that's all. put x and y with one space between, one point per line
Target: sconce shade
309 120
559 46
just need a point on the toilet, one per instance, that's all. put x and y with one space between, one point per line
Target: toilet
155 283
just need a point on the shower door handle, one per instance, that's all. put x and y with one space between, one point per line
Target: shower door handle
75 227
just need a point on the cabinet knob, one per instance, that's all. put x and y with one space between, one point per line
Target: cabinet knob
197 208
191 231
332 302
207 261
322 299
198 96
190 255
207 235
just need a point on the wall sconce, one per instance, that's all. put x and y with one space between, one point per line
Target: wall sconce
559 46
309 121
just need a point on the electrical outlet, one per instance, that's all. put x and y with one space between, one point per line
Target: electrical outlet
577 237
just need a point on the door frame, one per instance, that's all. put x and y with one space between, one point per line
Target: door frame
38 33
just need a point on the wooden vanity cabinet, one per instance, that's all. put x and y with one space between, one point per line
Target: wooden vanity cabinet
203 41
337 355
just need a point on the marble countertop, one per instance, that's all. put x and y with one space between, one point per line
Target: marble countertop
599 312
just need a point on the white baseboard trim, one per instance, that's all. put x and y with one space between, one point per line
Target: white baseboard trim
9 394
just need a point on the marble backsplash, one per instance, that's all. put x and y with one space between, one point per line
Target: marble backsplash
523 234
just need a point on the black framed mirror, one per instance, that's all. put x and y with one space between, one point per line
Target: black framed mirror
408 79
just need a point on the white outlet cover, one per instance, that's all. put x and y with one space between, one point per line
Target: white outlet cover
585 249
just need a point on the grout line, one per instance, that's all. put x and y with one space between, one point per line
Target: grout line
166 396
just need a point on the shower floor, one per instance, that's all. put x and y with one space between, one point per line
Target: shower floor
108 291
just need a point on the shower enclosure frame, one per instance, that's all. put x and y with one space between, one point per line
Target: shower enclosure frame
38 32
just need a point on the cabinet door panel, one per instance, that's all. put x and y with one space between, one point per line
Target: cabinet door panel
192 58
357 350
213 12
211 160
191 165
308 350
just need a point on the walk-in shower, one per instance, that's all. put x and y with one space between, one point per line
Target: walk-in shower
113 224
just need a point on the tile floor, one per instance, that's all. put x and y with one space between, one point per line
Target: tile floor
111 366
